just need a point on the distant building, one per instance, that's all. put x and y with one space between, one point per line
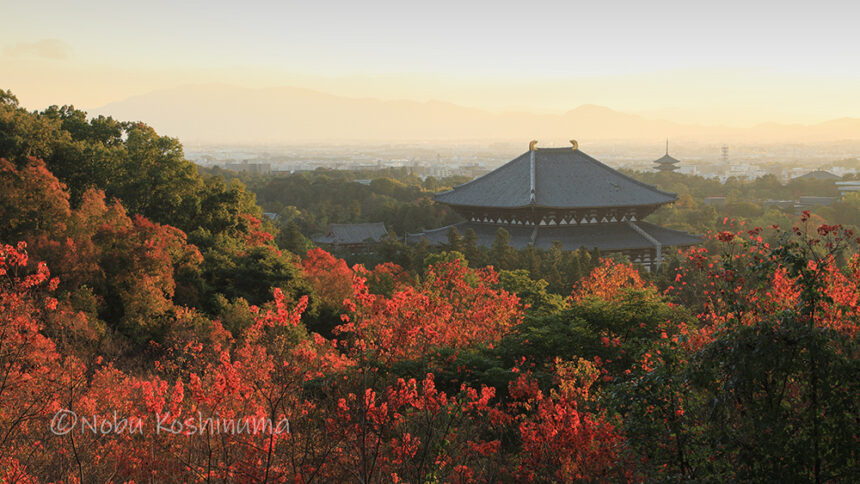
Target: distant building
846 187
818 175
715 201
688 170
666 163
783 204
355 237
256 168
561 195
813 201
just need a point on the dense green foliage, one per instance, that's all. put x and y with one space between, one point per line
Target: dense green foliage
321 197
148 175
745 201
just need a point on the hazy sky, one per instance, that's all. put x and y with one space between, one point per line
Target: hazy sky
732 62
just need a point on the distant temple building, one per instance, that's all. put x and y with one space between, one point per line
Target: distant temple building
561 194
846 187
818 175
666 162
355 237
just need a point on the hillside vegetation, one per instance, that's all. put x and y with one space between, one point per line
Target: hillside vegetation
152 329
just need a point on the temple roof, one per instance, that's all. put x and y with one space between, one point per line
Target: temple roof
561 178
818 175
353 233
607 236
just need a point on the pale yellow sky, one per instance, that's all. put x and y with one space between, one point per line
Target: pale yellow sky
733 63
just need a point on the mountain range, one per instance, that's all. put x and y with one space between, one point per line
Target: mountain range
217 113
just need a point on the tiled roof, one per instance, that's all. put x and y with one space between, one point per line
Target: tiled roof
818 175
667 159
605 236
562 178
353 233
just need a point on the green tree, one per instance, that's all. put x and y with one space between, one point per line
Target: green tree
502 255
291 239
532 292
455 242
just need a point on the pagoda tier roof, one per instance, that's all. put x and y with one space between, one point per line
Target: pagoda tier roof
667 159
607 237
554 178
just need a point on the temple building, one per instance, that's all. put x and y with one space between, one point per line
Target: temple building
561 194
666 162
354 237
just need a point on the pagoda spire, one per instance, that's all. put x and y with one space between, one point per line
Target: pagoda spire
667 146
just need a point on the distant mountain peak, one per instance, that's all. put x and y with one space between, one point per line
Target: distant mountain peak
224 113
587 108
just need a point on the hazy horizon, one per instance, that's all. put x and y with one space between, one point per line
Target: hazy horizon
732 64
222 113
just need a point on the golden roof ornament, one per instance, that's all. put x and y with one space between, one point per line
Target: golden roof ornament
575 144
532 144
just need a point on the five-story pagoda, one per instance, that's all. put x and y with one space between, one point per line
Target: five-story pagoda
561 194
666 162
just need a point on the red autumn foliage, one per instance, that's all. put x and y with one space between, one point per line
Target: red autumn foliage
35 377
379 432
330 277
608 281
401 430
453 306
561 440
729 289
256 236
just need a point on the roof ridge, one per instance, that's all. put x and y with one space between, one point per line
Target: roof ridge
435 230
532 178
357 223
640 223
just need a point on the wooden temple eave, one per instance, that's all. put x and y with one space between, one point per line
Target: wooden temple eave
535 215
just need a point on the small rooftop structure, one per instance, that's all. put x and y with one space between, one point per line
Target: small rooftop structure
354 235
